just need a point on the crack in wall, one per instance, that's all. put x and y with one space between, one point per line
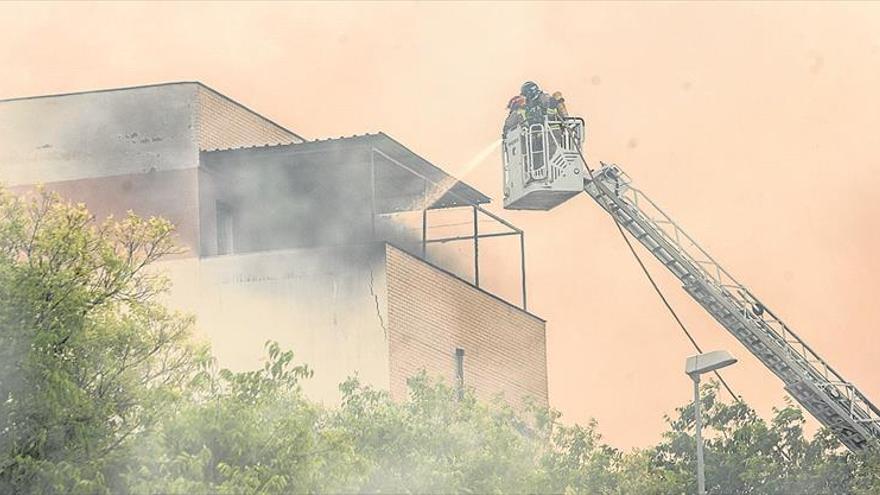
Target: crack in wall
378 308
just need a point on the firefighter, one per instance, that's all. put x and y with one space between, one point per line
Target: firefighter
531 107
516 113
540 104
560 105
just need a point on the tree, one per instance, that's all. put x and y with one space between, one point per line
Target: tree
436 441
746 454
102 389
88 358
246 432
253 432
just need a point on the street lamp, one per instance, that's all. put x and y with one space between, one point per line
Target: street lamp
694 367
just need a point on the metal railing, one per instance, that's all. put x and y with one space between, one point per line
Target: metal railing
477 210
548 147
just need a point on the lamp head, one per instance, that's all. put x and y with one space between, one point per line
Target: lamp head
706 362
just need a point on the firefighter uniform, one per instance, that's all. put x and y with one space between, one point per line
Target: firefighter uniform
517 113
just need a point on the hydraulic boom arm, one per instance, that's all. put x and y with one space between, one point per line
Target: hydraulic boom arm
835 402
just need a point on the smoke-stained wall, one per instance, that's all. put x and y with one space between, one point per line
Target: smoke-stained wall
129 149
98 134
171 194
266 208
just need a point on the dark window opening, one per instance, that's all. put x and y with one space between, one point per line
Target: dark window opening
459 372
225 229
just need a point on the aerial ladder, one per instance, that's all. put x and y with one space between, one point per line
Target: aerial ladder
544 166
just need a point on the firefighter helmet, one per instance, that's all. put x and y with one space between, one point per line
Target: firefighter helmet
530 90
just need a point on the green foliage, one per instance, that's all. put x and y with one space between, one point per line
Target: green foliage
747 455
248 432
433 442
102 390
253 432
87 357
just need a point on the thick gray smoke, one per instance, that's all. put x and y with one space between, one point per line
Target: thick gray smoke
270 199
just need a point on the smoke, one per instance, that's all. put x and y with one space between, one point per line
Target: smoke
441 188
289 243
301 229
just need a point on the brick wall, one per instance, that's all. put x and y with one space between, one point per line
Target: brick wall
431 313
224 124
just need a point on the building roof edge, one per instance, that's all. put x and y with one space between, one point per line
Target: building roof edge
155 85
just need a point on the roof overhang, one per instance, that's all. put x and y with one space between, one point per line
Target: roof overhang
403 171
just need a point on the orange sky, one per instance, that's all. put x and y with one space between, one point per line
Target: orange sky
755 126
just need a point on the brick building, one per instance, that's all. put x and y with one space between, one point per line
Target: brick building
329 247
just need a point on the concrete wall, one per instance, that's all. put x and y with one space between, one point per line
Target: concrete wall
171 194
327 305
98 134
131 149
369 309
210 191
431 313
115 151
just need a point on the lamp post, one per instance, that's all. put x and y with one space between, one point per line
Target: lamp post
694 367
